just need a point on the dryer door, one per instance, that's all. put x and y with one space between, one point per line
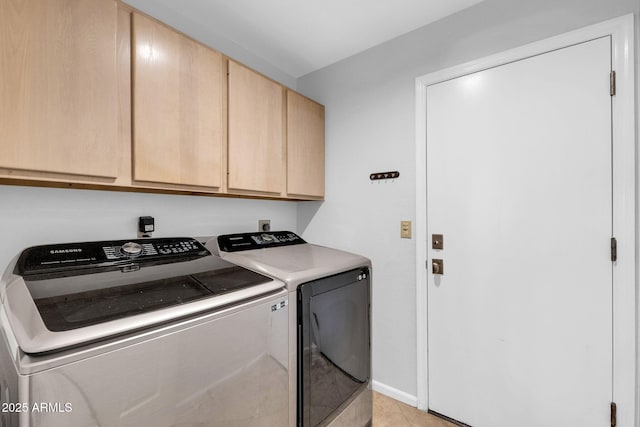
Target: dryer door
333 343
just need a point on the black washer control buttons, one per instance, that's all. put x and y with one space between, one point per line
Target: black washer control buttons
149 249
177 247
110 252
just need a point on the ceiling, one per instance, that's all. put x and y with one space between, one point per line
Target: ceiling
301 36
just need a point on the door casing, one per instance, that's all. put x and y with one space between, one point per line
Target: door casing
625 301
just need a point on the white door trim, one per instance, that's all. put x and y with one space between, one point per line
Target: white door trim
625 366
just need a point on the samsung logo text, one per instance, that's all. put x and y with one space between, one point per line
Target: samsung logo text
65 251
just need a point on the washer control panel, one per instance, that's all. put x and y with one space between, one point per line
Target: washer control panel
135 249
74 255
259 240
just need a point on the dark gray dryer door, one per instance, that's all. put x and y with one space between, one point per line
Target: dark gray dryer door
333 343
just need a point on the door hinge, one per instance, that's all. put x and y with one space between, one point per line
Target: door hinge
614 249
612 83
614 414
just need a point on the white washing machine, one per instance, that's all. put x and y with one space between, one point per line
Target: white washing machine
329 323
152 332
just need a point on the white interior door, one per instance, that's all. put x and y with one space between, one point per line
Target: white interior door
519 183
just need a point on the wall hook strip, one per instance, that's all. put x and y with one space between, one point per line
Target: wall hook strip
384 175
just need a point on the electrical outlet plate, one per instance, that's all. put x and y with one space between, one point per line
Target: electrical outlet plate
405 229
264 225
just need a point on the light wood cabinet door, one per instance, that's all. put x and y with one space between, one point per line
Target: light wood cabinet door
305 146
178 107
256 132
58 86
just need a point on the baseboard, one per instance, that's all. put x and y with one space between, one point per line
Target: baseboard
394 393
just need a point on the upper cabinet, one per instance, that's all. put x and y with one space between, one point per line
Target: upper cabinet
178 107
256 132
305 147
58 86
94 94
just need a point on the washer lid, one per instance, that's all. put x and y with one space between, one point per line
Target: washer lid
73 302
83 296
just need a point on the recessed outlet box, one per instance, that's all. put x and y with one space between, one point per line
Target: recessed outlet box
264 225
405 229
146 226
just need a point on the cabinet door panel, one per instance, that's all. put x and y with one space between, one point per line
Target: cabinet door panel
255 131
305 146
178 107
58 86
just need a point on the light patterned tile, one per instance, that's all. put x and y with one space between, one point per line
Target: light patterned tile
388 412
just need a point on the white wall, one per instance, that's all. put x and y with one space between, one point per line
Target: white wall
32 216
370 107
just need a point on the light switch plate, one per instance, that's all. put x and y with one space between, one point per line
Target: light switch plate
405 229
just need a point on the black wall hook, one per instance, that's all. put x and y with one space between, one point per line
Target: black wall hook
384 175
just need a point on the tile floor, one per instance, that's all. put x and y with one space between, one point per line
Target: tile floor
388 412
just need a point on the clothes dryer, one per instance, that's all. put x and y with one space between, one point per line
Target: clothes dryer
329 322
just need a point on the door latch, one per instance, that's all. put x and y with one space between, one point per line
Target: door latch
437 266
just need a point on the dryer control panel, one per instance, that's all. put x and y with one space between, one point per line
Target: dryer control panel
248 241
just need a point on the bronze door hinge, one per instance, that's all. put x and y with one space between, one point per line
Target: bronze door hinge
612 83
614 249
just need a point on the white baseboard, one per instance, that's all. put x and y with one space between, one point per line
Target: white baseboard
394 393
